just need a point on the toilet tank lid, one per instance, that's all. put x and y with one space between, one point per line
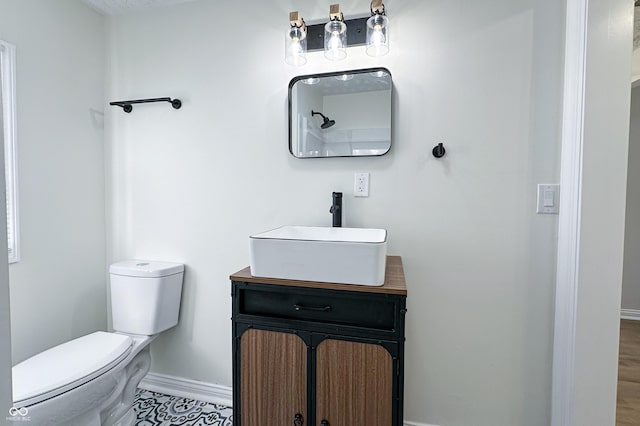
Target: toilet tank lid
146 268
71 363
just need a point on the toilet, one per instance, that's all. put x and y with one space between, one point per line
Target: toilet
92 380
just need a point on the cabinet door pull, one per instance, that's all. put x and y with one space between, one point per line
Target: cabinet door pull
324 423
312 308
298 420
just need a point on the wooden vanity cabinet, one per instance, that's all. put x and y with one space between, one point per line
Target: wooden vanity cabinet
308 353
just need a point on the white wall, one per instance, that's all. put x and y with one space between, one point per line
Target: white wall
58 288
631 273
191 185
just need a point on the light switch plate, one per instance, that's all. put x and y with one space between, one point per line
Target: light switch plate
548 198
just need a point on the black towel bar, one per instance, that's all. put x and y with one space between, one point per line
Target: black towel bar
127 105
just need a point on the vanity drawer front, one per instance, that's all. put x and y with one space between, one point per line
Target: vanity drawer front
375 311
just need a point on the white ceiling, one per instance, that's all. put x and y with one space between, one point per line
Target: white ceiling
119 7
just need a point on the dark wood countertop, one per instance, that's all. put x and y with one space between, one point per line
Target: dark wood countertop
394 282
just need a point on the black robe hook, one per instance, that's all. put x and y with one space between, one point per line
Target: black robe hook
439 151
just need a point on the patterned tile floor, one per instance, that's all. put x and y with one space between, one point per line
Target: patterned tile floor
156 409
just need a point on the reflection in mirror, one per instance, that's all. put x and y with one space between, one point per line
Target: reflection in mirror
340 114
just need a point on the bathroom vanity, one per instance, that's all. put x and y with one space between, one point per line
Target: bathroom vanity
321 354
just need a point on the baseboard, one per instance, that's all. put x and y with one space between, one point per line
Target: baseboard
630 314
208 392
186 388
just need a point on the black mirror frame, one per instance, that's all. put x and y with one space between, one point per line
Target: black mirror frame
335 74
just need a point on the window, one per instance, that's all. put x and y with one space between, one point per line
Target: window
8 93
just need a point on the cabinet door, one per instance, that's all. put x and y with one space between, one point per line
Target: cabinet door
273 374
354 384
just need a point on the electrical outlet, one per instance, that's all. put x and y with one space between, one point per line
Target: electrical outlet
361 185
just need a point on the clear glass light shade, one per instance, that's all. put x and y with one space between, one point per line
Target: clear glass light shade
295 47
335 40
377 35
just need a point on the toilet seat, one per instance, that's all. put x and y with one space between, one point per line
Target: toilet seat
67 366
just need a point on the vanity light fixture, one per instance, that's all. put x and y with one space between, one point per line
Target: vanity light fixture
377 30
335 35
296 41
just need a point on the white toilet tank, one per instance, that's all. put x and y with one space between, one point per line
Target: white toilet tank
145 296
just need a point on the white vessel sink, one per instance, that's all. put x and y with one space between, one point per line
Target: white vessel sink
308 253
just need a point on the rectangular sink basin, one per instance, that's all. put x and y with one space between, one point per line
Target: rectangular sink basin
309 253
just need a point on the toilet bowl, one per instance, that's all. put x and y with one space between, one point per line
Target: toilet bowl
92 380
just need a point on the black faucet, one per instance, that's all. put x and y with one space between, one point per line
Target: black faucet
336 209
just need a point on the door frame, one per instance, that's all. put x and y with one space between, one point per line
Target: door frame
574 398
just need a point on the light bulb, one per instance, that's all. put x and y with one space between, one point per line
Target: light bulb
377 38
296 55
334 42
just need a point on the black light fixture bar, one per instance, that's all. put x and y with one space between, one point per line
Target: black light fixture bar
356 34
127 105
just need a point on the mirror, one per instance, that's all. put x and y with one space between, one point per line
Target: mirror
340 114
